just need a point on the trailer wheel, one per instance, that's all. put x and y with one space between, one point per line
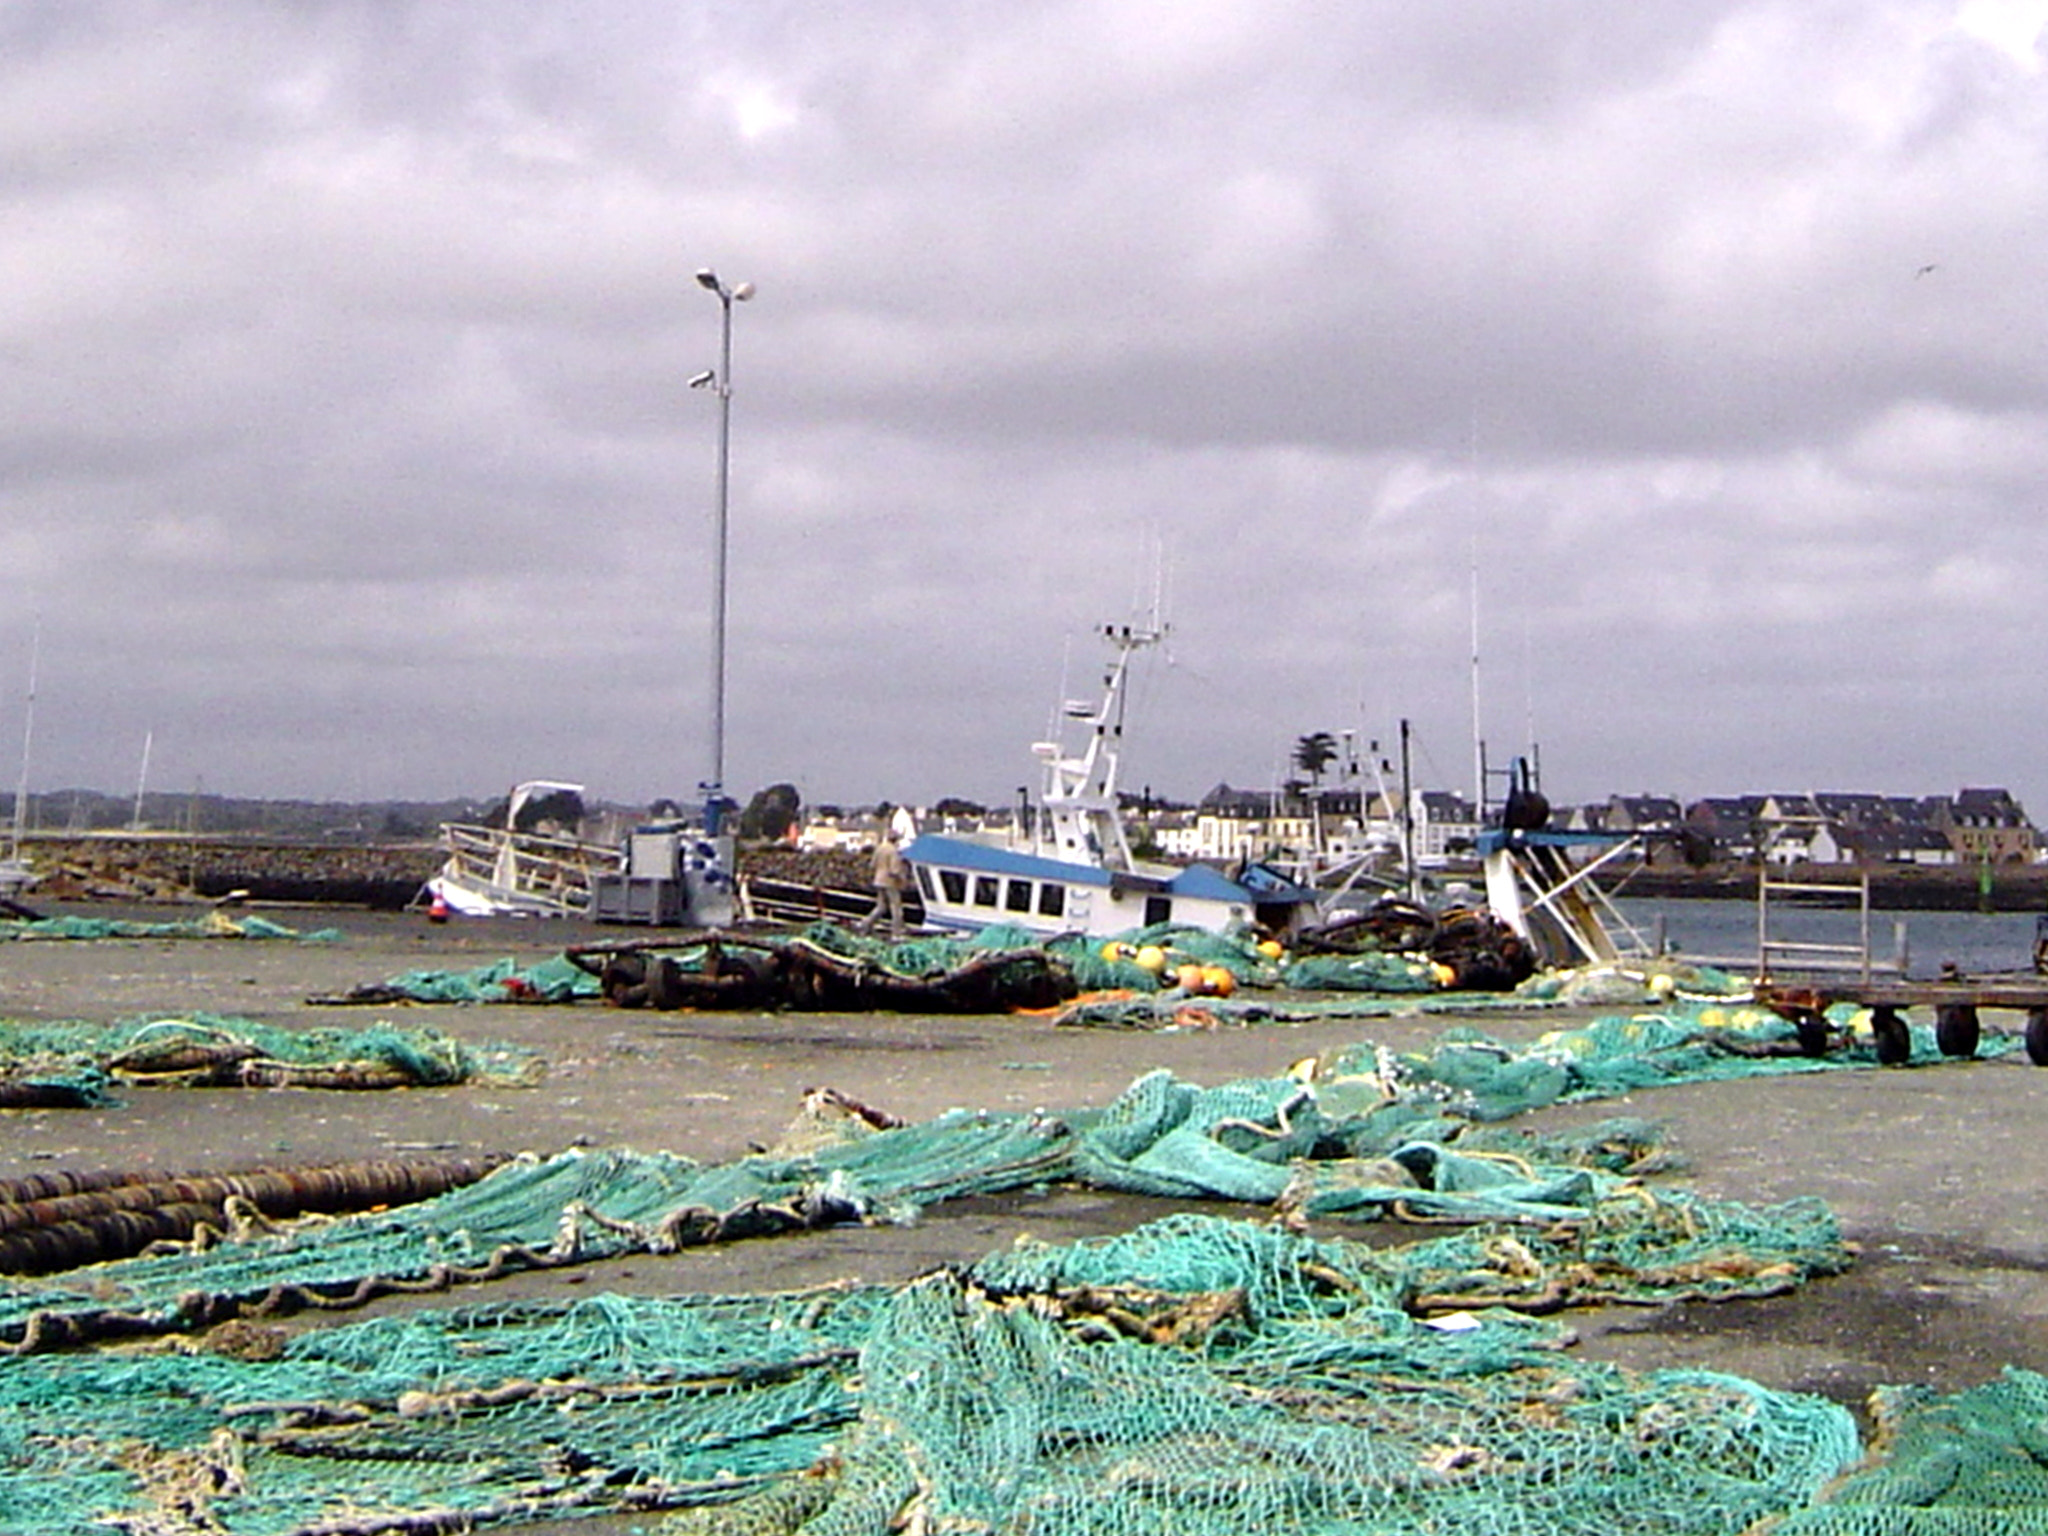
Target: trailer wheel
2037 1036
1812 1025
1956 1029
1894 1040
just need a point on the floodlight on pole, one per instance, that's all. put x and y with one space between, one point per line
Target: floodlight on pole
721 381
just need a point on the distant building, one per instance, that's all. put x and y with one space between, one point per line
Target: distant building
1580 818
1642 813
1727 826
1442 825
1854 827
1176 835
1785 809
1913 845
1853 810
1883 843
1232 825
1277 825
1988 826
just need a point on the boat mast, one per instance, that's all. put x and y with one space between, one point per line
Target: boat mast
1408 872
1080 806
1478 741
28 732
142 780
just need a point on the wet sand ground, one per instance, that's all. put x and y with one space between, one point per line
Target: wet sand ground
1932 1171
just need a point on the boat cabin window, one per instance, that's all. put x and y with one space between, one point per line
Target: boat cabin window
1158 909
984 890
924 881
954 883
1018 897
1052 899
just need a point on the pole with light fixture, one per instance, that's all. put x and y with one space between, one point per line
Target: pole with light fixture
721 381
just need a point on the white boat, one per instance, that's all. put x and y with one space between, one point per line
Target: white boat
504 872
1073 872
1542 884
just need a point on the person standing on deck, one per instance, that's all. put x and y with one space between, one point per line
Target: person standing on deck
890 875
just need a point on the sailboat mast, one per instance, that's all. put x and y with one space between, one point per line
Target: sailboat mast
142 780
1478 741
28 733
1408 870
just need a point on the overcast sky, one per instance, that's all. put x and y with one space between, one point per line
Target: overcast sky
1699 349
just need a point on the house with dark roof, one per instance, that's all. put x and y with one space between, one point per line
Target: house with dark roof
1442 824
1789 808
1885 843
1580 818
1643 813
1728 824
1852 810
1914 810
1988 826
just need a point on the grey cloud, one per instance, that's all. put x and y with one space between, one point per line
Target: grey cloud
344 349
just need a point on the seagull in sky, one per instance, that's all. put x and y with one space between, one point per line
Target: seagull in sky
1930 267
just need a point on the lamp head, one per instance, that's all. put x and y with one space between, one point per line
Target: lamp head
743 291
708 278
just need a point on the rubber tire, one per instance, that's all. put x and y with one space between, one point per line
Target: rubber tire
1957 1029
1812 1025
624 981
1894 1041
664 984
2037 1036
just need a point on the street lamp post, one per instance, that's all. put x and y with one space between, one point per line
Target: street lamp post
714 787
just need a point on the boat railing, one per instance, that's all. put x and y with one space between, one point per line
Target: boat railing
1557 902
542 867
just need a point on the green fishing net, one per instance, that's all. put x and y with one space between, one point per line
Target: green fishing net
1201 1374
1197 1375
553 980
76 1064
1973 1463
215 925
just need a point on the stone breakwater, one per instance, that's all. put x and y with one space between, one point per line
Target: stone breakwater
142 867
2010 888
381 876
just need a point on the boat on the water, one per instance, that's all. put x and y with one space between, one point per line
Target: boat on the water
1072 870
504 871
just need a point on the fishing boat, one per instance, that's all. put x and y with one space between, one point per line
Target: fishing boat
503 871
1543 883
1071 870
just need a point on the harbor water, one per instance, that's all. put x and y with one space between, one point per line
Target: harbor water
1725 933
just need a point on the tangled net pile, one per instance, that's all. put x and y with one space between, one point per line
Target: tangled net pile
214 925
1008 969
78 1065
